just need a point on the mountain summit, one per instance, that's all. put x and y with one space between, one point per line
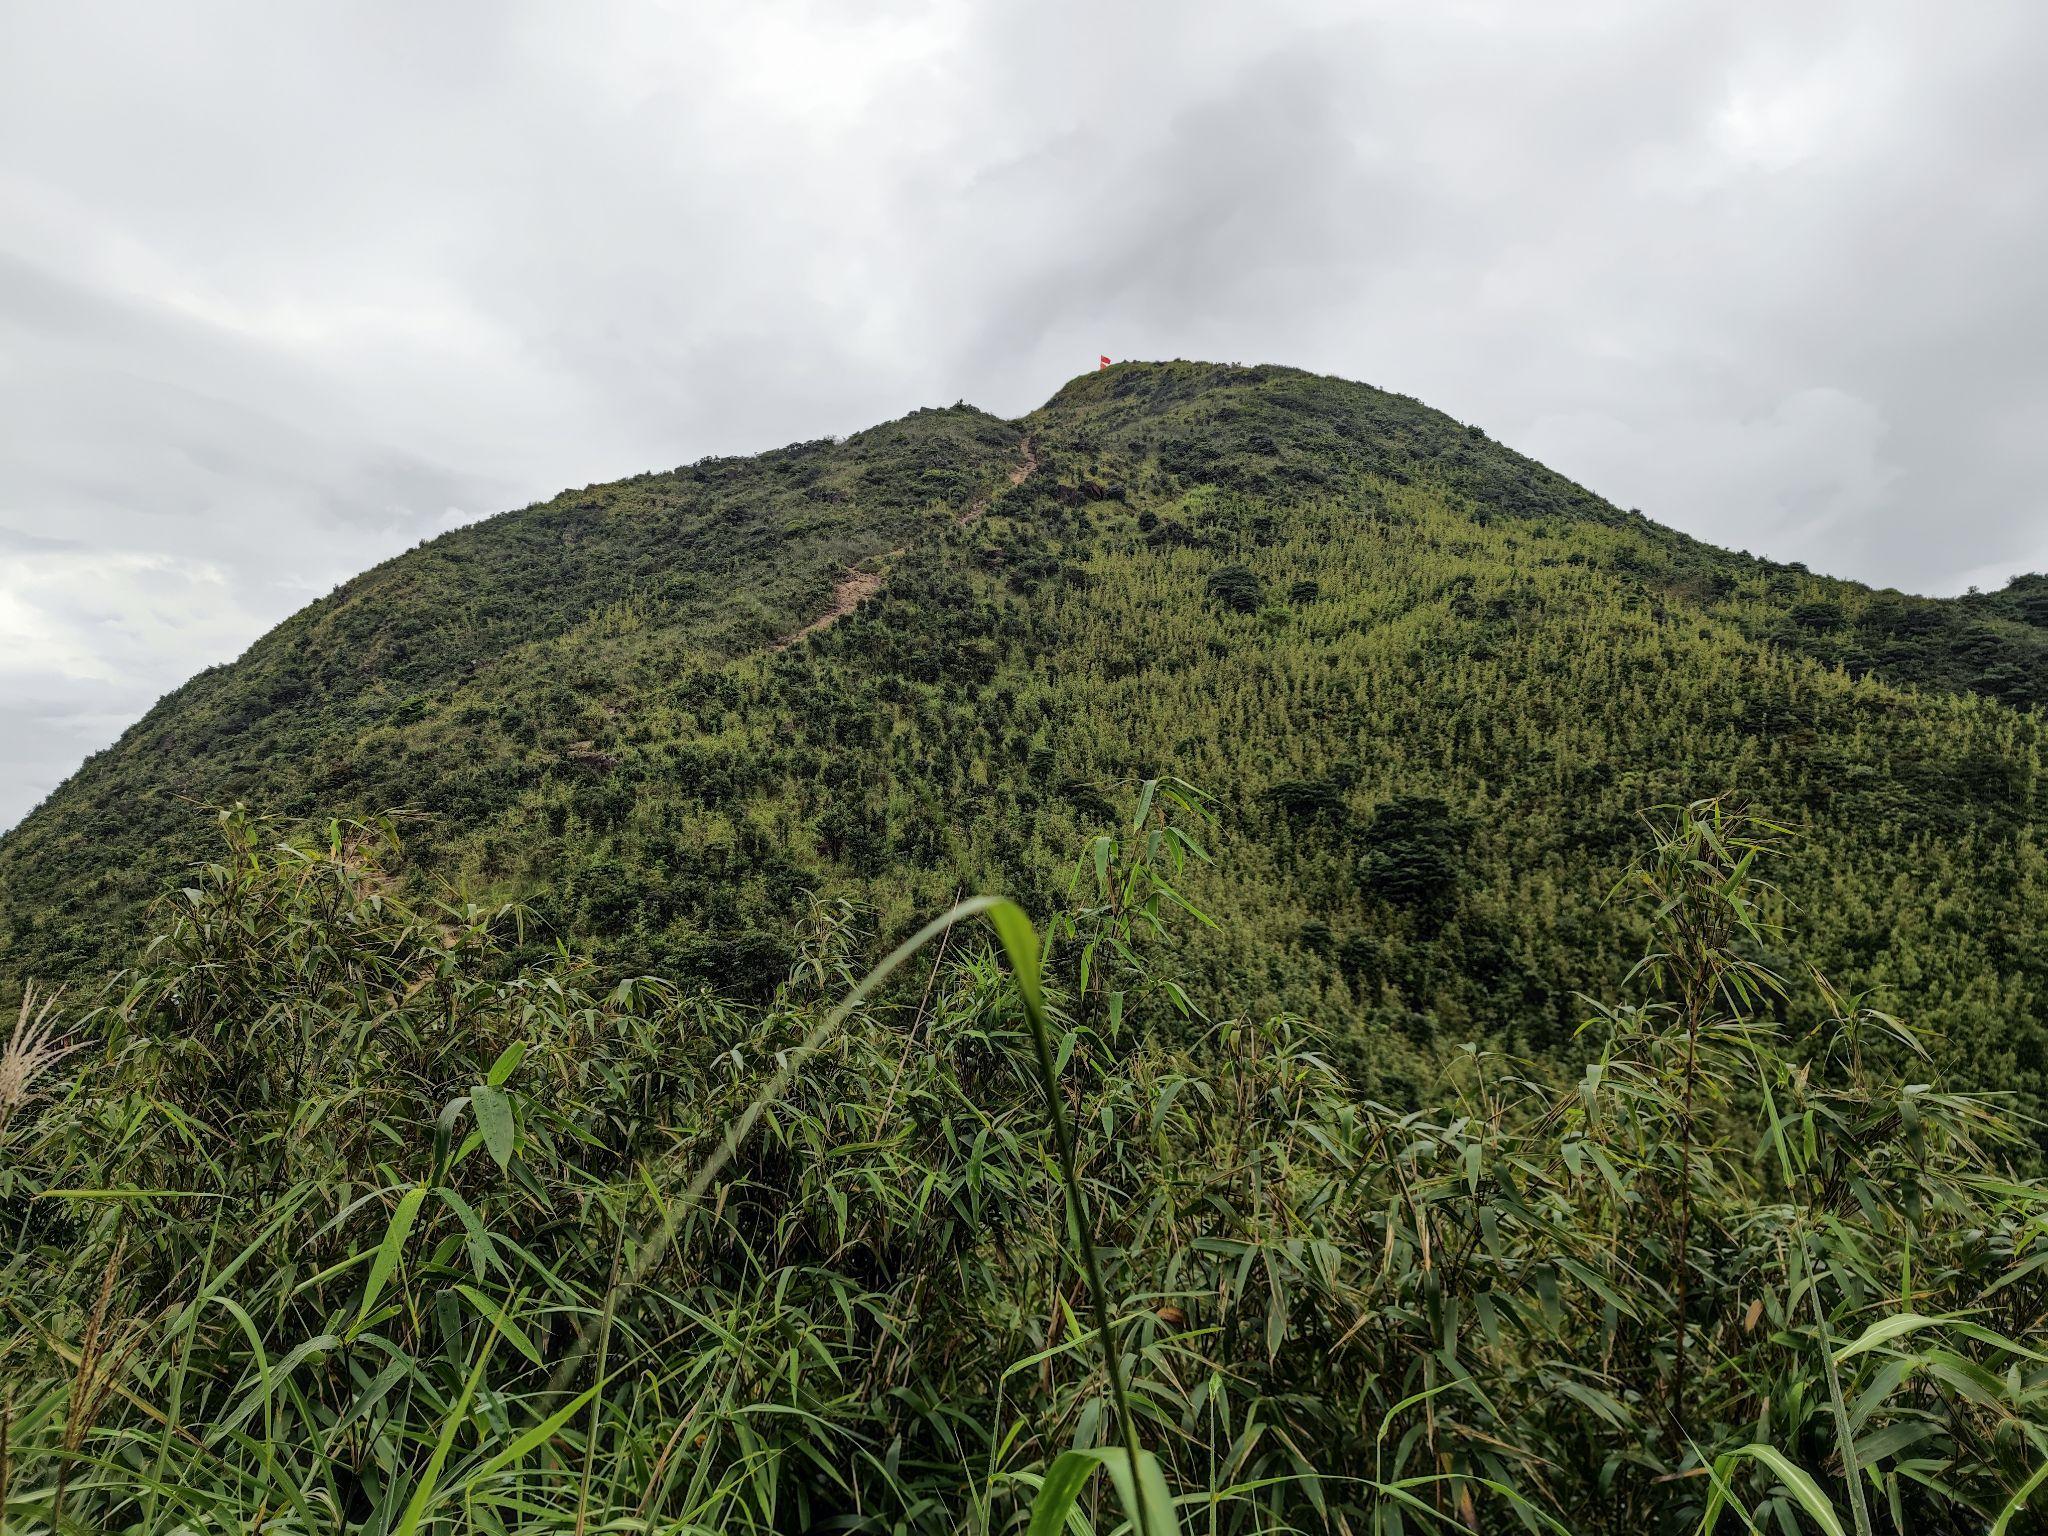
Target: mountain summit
1432 686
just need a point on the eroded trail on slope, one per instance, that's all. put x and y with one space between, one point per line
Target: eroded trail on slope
856 586
848 593
1018 476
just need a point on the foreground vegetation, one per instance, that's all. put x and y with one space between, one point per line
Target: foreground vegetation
345 1213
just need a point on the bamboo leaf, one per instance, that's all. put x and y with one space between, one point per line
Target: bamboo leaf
1142 1486
494 1120
1797 1482
389 1251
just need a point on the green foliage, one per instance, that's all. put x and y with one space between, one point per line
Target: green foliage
349 1217
1410 852
1279 1177
579 709
1237 588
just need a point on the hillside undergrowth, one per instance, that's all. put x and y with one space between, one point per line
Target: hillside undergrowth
1440 680
347 1213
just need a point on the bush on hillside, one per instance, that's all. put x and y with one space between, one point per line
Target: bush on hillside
1411 852
1237 588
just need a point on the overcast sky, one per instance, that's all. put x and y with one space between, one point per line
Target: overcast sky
286 288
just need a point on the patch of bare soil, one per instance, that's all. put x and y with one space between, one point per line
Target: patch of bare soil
851 590
1018 476
856 587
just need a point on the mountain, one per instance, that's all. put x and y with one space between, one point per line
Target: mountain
574 1147
1432 686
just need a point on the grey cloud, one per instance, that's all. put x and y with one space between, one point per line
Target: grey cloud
19 540
284 290
56 719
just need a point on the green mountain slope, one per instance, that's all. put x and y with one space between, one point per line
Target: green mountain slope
1433 686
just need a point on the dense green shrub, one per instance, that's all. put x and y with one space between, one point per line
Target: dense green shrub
1237 588
1411 851
340 1219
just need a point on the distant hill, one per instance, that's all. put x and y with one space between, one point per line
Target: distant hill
1431 684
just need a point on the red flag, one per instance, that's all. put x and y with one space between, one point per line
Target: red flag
1103 364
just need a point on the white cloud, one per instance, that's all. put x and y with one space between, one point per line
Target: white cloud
113 616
